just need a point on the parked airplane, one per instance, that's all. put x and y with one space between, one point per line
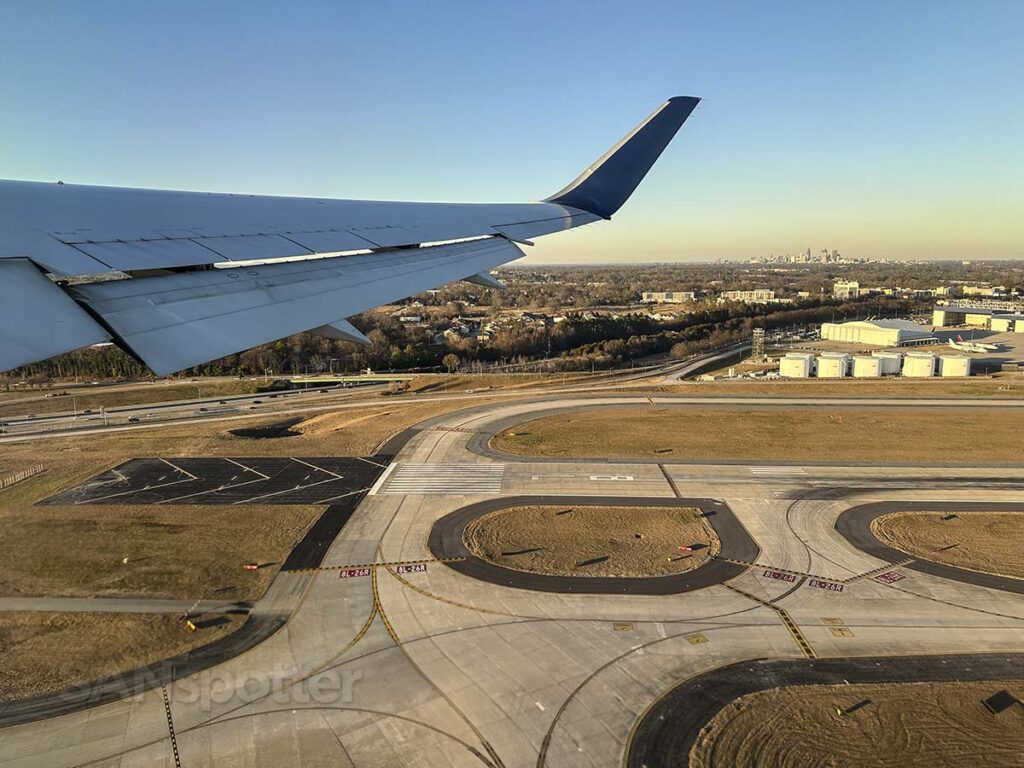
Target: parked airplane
181 278
972 346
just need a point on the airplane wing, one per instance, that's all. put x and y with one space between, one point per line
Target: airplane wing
180 278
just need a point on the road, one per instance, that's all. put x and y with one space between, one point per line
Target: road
414 662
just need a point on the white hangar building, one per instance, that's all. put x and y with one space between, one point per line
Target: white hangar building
878 333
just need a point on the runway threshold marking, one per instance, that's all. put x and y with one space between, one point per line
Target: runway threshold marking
444 478
170 727
786 619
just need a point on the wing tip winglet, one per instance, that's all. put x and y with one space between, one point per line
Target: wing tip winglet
603 187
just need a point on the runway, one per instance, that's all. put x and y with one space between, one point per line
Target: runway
386 656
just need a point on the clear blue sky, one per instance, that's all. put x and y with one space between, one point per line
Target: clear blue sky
878 128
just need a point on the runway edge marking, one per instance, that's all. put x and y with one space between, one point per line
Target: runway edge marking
382 479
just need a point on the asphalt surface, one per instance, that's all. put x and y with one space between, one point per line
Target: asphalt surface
305 480
446 542
312 548
667 732
854 525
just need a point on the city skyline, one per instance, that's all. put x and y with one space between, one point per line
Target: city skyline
890 132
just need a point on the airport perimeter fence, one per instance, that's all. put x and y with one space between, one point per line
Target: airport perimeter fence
24 474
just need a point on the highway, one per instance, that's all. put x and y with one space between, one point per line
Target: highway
287 402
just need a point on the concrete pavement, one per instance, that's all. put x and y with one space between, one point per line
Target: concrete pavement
395 665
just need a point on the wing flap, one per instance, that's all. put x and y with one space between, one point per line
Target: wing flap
148 254
37 319
330 240
177 321
252 247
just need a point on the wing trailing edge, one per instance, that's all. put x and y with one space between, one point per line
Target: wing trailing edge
172 322
37 318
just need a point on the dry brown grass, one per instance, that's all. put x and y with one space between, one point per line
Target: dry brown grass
460 383
1002 386
43 653
593 540
795 434
910 724
174 551
979 541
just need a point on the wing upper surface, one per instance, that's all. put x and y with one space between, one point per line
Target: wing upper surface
78 230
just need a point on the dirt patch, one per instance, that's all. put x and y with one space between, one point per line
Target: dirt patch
907 724
795 434
269 431
593 540
43 653
989 542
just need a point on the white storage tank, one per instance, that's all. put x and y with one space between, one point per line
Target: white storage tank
796 365
833 365
867 367
889 362
954 365
919 365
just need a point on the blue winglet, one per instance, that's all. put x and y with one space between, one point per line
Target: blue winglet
608 183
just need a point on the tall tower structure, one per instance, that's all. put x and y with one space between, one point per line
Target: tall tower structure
757 346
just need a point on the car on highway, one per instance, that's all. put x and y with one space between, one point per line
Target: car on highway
133 419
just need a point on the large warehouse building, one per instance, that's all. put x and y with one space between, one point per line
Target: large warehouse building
878 333
1005 316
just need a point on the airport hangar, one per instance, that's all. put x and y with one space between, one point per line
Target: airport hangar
980 317
879 333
